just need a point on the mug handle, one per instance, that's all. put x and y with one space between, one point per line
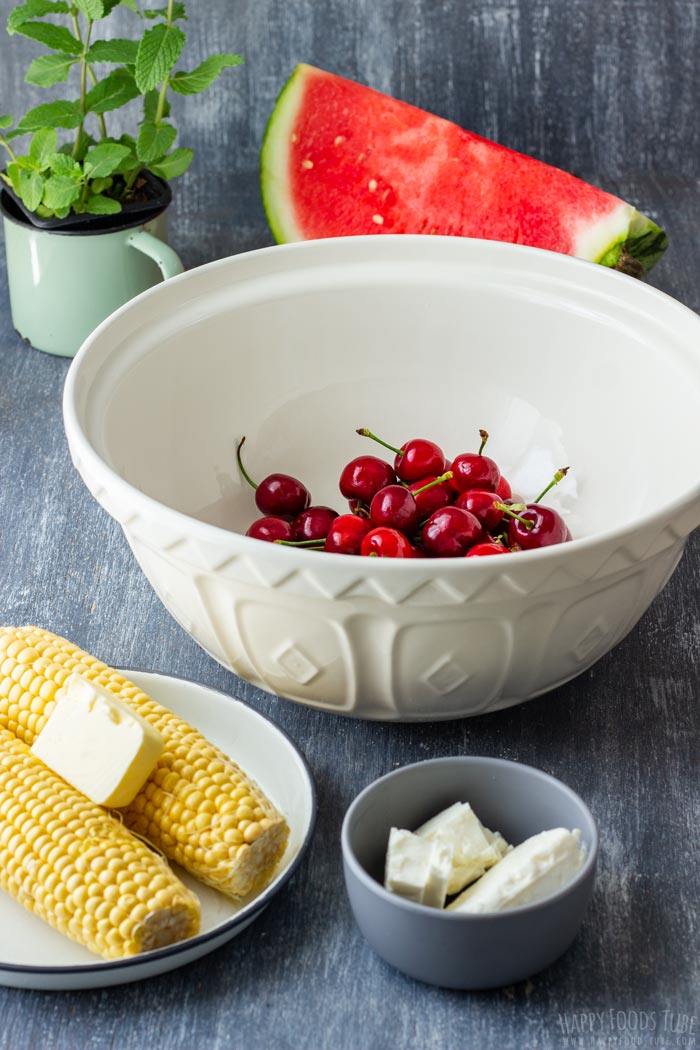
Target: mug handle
162 254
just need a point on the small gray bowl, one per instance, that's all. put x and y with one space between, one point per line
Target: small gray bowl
446 948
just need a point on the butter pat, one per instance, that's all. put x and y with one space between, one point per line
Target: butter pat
417 869
98 744
474 848
534 870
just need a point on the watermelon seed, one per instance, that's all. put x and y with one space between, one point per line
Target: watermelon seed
339 140
307 164
294 136
378 219
372 185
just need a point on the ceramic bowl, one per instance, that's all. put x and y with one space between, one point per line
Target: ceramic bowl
448 948
564 362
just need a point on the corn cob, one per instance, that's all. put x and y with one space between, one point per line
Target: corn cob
197 807
67 861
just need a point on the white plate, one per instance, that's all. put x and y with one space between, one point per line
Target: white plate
33 955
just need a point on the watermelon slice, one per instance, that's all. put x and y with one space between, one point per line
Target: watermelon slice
342 159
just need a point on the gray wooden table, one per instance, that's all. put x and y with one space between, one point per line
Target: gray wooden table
624 735
604 88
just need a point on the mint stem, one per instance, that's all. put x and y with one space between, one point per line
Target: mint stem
83 84
8 147
160 109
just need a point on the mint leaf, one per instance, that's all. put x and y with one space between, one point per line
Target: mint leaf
112 92
6 121
60 191
14 171
173 164
131 4
204 75
56 37
121 51
60 114
150 106
105 159
99 205
158 52
154 140
31 188
92 9
49 70
62 164
162 12
34 9
43 145
98 185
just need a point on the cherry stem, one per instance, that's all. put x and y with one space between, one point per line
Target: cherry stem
242 469
431 484
373 554
364 432
484 435
561 473
313 544
509 511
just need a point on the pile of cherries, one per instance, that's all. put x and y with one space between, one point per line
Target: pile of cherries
421 507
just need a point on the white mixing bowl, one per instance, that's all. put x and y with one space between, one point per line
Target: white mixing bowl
564 362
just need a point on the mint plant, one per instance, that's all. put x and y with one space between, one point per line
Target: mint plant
94 172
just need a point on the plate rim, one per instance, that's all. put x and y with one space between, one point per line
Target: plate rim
257 905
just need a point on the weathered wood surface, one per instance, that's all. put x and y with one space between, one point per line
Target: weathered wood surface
609 89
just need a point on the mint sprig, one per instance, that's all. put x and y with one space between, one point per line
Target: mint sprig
93 172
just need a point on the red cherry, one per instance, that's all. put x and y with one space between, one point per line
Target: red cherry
282 494
416 459
365 476
313 523
482 550
503 489
450 532
482 504
473 471
270 529
432 499
548 528
277 494
346 534
419 458
358 507
395 507
386 543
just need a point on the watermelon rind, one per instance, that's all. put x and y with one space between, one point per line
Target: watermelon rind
624 240
273 160
640 250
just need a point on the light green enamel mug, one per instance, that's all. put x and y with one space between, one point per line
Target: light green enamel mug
63 284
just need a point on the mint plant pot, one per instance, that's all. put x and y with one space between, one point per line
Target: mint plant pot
63 282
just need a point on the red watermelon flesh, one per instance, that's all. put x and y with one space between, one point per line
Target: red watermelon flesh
342 159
